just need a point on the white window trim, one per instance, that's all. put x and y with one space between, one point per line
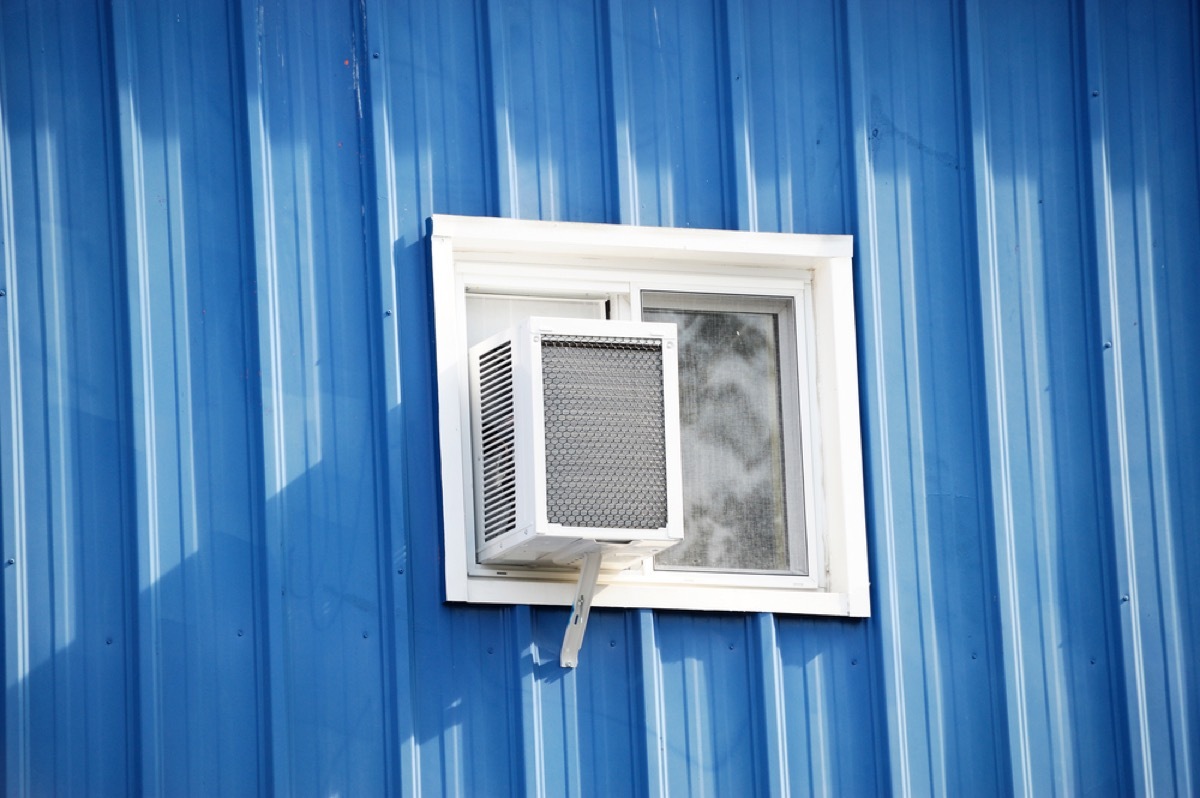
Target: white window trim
534 258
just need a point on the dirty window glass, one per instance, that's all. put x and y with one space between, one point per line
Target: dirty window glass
739 429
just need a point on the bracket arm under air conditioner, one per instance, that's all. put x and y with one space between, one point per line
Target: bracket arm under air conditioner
580 608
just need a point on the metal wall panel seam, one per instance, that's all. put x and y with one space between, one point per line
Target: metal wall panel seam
143 396
621 114
867 242
774 742
931 684
254 433
532 766
992 625
822 748
662 170
1143 765
12 484
1089 206
740 120
846 109
572 743
998 410
1145 117
653 709
173 386
116 214
550 150
398 623
884 502
508 199
377 228
54 217
266 265
656 169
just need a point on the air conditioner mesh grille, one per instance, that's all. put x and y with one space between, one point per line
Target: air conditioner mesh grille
498 444
606 463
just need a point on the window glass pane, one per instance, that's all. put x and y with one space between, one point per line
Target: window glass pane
732 398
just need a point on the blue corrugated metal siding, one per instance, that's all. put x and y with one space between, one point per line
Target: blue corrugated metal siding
217 456
1038 289
70 593
939 659
1146 177
192 395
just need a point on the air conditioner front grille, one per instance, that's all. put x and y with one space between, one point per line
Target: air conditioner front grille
606 461
498 442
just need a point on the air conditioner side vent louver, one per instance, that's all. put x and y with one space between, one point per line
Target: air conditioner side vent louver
498 441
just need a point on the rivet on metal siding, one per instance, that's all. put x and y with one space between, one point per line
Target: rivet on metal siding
365 635
3 292
387 312
375 55
1125 597
11 561
241 632
108 641
1108 344
1095 92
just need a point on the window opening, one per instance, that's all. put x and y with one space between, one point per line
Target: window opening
798 545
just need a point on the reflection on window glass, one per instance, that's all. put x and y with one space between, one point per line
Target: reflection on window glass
732 425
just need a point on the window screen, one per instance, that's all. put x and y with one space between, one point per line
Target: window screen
740 434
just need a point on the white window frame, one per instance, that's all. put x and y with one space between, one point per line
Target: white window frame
617 263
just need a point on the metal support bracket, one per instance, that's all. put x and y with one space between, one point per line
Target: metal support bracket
580 609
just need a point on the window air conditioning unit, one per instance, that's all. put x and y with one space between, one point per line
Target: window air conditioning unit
575 427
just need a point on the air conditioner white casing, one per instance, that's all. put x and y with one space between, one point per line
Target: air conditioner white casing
575 436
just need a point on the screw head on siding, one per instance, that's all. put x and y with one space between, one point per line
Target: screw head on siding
3 292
